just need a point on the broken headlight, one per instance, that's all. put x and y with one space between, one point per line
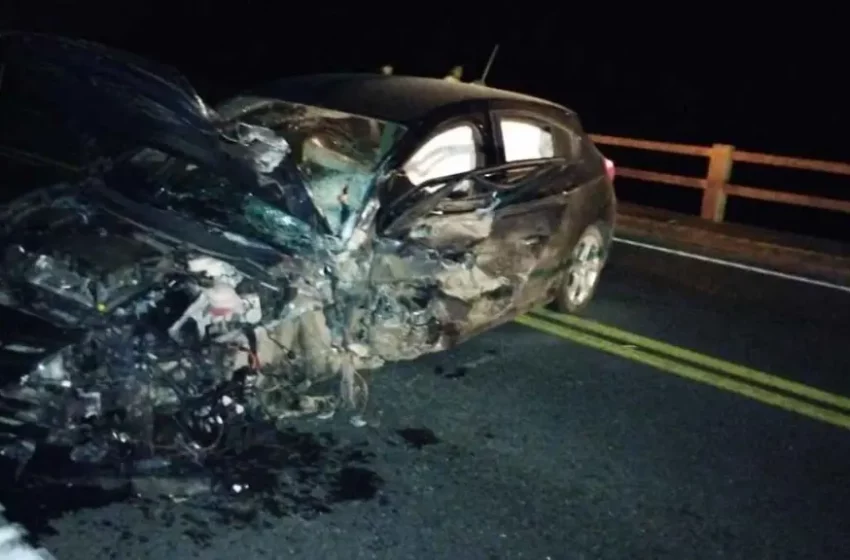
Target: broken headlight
102 292
54 276
52 368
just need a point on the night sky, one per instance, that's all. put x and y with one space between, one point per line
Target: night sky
768 80
762 79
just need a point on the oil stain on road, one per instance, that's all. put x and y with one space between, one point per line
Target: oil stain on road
418 437
282 473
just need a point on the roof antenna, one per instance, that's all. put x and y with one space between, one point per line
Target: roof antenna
487 68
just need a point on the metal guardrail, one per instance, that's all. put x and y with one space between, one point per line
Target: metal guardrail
716 186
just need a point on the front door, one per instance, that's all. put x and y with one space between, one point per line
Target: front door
490 236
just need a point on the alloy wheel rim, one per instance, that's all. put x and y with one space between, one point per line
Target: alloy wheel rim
584 269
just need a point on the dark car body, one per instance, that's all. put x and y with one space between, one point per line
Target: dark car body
203 264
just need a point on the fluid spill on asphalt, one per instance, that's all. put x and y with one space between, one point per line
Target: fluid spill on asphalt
418 437
281 473
38 496
458 371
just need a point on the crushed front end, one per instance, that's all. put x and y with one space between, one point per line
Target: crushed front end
116 342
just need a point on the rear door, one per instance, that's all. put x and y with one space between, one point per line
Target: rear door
538 173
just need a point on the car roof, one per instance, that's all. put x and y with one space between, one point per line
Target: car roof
401 99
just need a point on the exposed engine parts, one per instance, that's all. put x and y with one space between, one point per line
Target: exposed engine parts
165 348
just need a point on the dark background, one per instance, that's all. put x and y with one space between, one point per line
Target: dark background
766 79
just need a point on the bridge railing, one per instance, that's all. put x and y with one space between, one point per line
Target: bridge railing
716 186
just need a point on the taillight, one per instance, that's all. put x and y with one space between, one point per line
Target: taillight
610 169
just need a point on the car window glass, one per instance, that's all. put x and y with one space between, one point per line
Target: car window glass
524 140
450 152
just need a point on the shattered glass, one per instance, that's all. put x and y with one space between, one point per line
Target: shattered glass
232 263
337 154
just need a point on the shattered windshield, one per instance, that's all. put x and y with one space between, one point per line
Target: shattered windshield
313 169
274 210
336 153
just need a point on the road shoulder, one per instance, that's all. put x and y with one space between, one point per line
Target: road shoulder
816 258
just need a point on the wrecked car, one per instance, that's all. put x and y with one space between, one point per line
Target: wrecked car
197 266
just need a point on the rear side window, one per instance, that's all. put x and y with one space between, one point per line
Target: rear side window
525 139
449 152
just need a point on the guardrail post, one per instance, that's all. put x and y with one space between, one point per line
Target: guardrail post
719 171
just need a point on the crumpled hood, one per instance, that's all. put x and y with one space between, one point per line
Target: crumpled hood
120 99
119 103
116 102
102 251
33 340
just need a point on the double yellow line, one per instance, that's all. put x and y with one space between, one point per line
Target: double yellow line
757 385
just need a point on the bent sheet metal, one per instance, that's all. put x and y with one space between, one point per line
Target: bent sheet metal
206 267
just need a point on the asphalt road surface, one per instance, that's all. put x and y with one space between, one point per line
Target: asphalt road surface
720 431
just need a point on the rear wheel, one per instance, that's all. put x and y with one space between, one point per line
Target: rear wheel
582 276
